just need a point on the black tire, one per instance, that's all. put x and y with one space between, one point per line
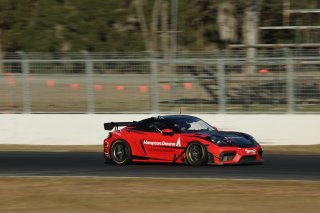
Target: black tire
120 152
196 154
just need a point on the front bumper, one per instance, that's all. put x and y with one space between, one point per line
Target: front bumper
235 155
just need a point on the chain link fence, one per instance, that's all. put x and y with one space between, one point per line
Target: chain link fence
274 81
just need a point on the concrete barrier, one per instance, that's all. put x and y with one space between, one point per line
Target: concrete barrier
87 129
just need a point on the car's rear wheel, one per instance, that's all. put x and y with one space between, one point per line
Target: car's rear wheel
120 152
196 154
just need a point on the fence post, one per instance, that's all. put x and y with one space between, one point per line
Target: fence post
221 84
155 86
290 81
89 82
26 85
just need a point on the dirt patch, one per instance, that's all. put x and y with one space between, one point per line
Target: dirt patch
293 149
80 195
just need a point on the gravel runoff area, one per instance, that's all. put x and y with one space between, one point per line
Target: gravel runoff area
84 194
277 149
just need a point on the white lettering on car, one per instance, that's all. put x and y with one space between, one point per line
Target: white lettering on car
163 143
178 142
250 151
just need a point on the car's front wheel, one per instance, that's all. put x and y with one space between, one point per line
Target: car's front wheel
196 154
120 152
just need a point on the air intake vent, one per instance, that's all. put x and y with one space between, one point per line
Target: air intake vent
227 156
251 158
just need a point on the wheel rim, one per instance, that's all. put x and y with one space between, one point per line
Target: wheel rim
195 153
119 152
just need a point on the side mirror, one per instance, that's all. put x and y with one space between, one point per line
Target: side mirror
167 132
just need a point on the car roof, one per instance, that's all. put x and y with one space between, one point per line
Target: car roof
170 118
174 117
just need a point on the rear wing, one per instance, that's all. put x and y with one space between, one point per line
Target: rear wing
111 125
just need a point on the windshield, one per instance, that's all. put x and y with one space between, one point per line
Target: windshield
191 125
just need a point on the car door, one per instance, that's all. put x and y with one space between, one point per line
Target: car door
157 146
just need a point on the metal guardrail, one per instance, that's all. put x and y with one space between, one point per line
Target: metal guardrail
274 81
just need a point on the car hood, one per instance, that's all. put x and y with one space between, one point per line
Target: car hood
226 138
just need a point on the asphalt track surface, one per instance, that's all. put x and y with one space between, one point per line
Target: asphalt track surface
292 167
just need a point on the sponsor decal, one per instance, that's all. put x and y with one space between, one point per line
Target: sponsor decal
161 149
178 142
250 151
163 143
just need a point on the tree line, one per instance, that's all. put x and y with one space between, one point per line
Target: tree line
115 25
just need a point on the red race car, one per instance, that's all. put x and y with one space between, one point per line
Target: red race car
178 139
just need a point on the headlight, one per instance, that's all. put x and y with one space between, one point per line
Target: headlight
217 141
220 142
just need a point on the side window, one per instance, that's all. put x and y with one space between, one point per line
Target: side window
181 126
144 125
157 126
151 125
